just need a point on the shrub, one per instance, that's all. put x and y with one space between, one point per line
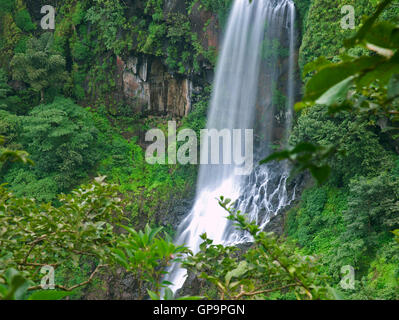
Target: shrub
6 6
62 140
359 143
24 21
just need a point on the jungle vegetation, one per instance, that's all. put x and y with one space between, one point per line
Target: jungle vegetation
76 193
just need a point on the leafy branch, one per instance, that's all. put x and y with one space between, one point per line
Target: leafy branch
368 84
270 265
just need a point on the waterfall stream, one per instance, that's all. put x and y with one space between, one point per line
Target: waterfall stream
253 89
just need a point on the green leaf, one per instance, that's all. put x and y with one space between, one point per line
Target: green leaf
153 295
276 156
321 174
382 73
335 293
361 34
304 147
381 35
49 295
302 105
393 87
120 257
326 79
315 65
238 272
336 93
18 285
333 75
168 294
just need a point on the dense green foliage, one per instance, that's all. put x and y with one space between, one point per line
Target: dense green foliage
372 212
152 29
7 6
323 34
302 7
14 286
59 101
24 21
39 66
63 142
40 235
146 255
81 229
351 130
81 226
361 150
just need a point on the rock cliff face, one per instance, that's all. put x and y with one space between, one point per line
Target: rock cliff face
148 88
206 25
146 85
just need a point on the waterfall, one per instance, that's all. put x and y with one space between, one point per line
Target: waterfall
253 89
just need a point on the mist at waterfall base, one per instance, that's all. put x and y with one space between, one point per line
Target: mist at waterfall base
256 64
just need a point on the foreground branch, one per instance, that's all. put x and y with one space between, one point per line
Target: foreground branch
254 293
76 285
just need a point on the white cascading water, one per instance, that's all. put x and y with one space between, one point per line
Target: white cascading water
247 75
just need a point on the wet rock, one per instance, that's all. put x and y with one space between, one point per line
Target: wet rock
178 210
174 6
276 225
117 285
144 82
150 89
210 34
192 287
